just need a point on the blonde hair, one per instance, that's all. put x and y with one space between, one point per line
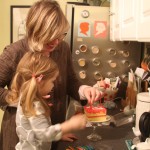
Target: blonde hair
24 84
45 23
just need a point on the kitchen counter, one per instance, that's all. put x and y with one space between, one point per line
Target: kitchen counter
113 138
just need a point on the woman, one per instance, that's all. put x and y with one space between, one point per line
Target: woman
46 27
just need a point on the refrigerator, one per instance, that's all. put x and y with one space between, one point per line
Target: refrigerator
94 56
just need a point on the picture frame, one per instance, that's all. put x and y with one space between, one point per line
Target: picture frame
18 15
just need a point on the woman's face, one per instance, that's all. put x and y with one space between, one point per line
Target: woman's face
49 47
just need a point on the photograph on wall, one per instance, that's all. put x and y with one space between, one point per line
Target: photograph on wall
18 19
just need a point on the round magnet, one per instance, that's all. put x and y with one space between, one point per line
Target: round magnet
97 75
126 63
82 74
125 53
112 51
77 52
85 14
96 61
95 49
81 62
83 48
112 64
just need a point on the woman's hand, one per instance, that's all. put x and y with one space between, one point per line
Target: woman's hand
69 137
92 94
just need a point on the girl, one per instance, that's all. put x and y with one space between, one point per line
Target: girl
34 79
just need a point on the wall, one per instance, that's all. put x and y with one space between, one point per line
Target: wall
5 22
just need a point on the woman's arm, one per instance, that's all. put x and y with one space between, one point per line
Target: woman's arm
8 63
6 73
73 82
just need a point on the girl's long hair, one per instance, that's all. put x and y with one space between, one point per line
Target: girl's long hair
24 84
45 23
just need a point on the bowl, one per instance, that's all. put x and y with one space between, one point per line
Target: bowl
109 93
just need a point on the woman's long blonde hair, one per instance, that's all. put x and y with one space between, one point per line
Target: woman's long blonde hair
45 23
24 84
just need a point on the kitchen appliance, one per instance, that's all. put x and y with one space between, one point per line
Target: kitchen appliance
144 126
143 105
94 55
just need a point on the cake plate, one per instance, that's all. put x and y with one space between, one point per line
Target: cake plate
95 136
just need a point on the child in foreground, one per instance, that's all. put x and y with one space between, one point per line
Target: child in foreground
34 79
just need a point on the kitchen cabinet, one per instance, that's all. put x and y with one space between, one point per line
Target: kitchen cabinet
115 17
143 21
129 20
129 17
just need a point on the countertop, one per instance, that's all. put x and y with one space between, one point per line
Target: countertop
113 138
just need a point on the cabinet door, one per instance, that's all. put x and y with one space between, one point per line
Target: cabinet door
129 20
144 21
112 20
115 20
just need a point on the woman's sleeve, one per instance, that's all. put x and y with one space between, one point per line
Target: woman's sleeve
9 60
41 126
7 65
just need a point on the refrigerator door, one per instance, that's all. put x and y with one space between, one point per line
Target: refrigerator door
94 55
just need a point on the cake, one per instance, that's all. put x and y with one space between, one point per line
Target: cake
95 113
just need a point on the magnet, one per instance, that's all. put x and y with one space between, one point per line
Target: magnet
96 61
84 29
112 51
126 63
97 75
112 64
95 50
100 29
77 52
81 62
126 53
82 74
83 48
85 13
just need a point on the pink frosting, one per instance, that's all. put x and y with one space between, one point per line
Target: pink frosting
98 109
